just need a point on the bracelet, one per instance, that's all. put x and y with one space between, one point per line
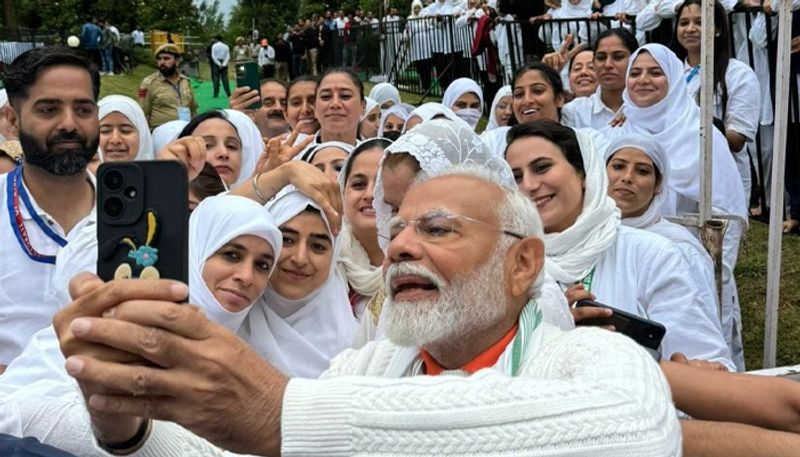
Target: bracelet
131 445
264 199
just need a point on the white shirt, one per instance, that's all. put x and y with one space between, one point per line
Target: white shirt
744 100
220 54
645 274
266 56
138 37
28 299
587 112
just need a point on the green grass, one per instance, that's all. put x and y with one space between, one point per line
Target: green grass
751 269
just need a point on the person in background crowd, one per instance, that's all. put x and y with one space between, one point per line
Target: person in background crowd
138 36
115 58
736 104
107 42
126 43
392 122
167 95
270 118
385 94
311 40
266 59
241 50
283 59
10 148
90 39
501 111
220 56
297 41
465 97
582 76
370 121
338 106
416 39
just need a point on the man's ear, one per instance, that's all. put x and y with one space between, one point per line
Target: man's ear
11 116
526 258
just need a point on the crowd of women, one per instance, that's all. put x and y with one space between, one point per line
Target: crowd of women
300 289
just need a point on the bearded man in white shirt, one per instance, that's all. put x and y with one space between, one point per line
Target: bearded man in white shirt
462 284
53 93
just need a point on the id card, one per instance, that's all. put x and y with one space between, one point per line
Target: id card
184 113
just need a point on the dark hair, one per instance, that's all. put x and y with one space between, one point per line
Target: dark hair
370 144
655 168
301 79
273 80
562 136
550 75
349 73
722 50
24 70
627 38
213 114
208 183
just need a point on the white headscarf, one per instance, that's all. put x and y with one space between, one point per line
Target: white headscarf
354 261
370 105
397 110
428 111
314 148
495 140
460 87
383 92
215 222
129 108
568 10
437 145
674 123
656 153
413 4
571 255
300 337
504 91
166 133
252 144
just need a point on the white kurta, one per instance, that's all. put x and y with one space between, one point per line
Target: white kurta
587 112
645 274
28 299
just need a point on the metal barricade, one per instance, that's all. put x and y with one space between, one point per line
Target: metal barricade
14 44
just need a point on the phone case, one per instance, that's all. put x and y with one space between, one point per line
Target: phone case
247 75
142 220
644 331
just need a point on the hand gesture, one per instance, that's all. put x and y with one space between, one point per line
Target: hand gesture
557 60
280 150
618 120
242 97
190 151
317 186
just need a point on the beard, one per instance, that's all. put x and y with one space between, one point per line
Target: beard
168 71
55 162
468 304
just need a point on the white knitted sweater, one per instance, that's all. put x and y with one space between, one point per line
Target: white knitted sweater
586 392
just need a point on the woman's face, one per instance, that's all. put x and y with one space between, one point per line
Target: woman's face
534 98
611 63
417 9
466 101
647 83
300 107
238 273
369 125
393 124
689 28
549 180
119 139
359 190
582 77
223 148
339 105
503 111
632 181
306 256
330 161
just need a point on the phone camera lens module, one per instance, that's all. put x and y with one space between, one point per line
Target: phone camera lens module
113 180
114 207
131 192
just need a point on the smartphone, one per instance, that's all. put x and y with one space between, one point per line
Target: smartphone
644 331
142 220
247 76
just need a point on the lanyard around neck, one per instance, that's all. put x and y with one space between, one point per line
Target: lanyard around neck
15 190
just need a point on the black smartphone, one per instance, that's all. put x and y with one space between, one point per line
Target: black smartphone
247 76
142 220
644 331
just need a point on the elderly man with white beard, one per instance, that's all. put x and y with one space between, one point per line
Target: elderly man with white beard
469 367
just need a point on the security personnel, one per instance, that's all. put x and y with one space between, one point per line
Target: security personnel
167 95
